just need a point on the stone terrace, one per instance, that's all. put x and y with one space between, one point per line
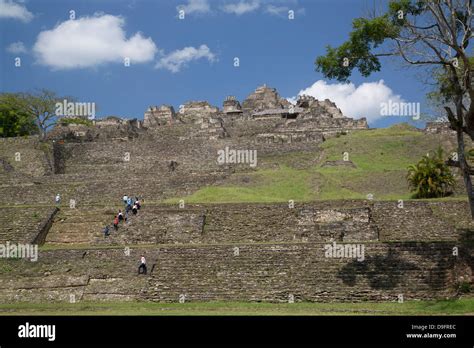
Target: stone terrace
243 272
247 252
202 252
342 221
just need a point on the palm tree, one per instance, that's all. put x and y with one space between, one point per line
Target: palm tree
430 177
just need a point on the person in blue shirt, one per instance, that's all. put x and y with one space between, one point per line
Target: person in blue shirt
106 231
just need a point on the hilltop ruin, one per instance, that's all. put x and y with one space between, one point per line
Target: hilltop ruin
210 252
263 109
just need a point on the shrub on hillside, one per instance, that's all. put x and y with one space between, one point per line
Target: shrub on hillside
430 177
78 120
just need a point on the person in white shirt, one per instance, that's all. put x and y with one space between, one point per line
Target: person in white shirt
58 199
142 265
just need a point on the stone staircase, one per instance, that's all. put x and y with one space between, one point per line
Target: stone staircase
272 272
213 224
244 252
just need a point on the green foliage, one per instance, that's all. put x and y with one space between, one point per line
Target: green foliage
366 36
356 53
42 106
464 287
27 113
15 120
407 7
112 118
77 120
445 91
5 268
430 177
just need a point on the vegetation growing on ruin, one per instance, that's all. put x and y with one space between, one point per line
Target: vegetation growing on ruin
430 177
380 157
77 120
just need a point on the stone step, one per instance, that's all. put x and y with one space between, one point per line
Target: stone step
265 272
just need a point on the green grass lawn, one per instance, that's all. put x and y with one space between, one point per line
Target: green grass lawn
381 157
445 307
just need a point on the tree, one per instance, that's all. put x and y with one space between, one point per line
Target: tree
15 120
432 35
430 177
42 106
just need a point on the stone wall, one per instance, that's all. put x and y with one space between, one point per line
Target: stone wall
438 128
243 252
342 221
316 108
158 116
234 272
195 111
231 106
24 225
25 156
263 98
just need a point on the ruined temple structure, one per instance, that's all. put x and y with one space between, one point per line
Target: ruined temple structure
264 98
196 111
231 106
158 116
251 252
438 128
263 117
312 107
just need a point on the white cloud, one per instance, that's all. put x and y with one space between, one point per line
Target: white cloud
276 10
282 11
13 10
241 7
195 7
91 41
16 48
178 59
362 101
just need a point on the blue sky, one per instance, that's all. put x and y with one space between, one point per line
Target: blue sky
175 60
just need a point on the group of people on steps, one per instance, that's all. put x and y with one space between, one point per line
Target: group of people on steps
131 205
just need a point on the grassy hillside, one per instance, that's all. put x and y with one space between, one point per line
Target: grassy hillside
381 157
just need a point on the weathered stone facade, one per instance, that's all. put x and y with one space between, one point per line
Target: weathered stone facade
195 111
263 98
158 116
438 128
262 110
238 252
231 106
315 108
249 252
234 272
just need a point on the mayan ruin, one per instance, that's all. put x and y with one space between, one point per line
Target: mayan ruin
172 154
245 171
